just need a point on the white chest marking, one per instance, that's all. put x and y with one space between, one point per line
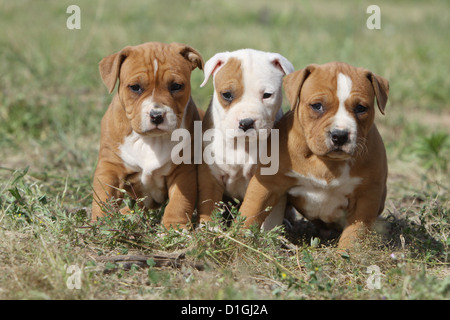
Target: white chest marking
234 172
151 156
145 154
325 201
343 119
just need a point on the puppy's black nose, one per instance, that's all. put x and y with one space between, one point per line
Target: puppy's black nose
339 137
156 117
246 124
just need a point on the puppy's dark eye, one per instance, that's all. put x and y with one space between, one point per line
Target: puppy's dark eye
227 96
267 95
136 88
360 109
318 107
174 87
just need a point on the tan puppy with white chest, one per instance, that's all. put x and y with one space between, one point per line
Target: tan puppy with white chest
153 99
333 165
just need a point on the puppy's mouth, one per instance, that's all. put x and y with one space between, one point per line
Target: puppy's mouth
339 154
155 132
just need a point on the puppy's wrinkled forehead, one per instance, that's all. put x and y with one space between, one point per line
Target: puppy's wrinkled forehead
153 61
337 80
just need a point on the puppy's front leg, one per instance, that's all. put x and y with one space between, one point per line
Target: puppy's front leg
276 216
210 192
361 220
259 197
182 190
105 185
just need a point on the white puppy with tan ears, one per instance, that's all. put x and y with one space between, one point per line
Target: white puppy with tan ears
247 97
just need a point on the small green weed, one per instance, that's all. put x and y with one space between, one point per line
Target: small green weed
434 151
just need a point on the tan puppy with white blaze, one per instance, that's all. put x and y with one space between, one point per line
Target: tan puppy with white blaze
333 165
153 99
247 97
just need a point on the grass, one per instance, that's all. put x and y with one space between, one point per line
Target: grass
52 100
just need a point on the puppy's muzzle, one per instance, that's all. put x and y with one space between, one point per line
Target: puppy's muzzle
246 124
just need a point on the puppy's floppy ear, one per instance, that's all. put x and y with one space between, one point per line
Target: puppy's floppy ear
293 84
214 64
282 63
109 67
381 88
192 55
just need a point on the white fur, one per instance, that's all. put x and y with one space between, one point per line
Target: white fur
235 178
325 201
151 156
344 88
155 67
